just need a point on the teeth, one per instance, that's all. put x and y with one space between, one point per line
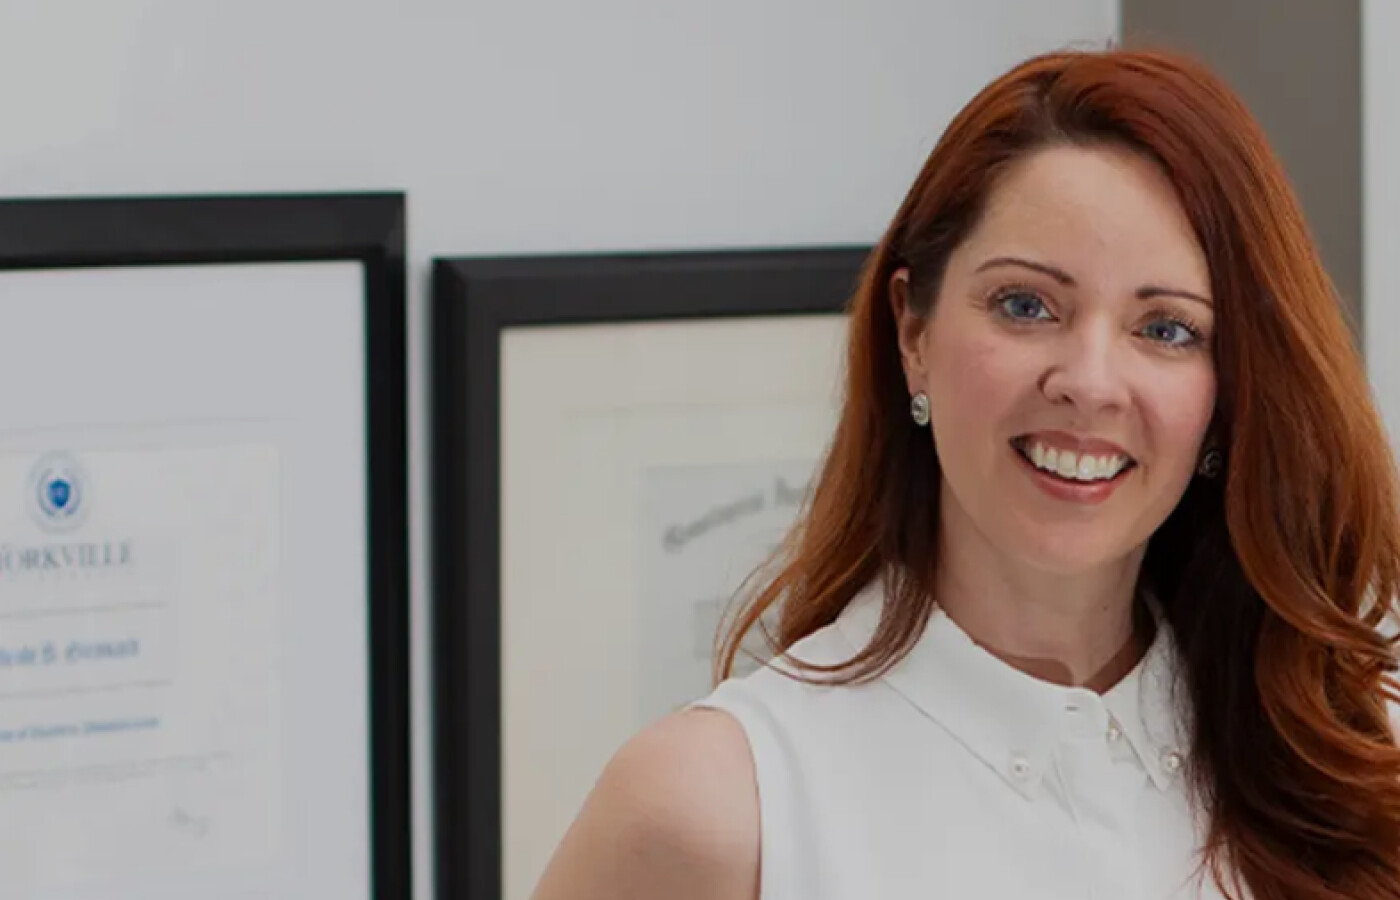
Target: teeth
1073 466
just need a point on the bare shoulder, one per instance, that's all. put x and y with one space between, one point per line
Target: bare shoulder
674 814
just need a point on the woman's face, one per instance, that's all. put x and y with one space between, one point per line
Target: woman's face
1067 360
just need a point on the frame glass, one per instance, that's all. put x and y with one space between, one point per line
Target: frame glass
618 438
204 661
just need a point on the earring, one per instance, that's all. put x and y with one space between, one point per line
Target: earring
1212 461
918 409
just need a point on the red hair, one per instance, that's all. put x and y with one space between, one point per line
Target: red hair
1275 579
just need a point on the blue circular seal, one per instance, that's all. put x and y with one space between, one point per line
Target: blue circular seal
58 489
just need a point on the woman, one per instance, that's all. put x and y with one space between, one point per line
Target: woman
1085 600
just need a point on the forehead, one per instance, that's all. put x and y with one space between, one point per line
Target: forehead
1104 210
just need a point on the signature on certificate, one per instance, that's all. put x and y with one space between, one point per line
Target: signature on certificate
183 821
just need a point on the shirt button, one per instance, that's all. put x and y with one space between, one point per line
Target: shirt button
1020 767
1114 732
1171 761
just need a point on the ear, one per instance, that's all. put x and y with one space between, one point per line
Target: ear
909 327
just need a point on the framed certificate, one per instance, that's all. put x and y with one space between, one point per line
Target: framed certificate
203 557
618 439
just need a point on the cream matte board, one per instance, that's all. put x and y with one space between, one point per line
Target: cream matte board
616 438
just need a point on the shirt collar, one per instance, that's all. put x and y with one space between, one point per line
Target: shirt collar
1011 720
1150 711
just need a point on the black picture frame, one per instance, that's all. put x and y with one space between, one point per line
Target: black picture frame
475 300
368 227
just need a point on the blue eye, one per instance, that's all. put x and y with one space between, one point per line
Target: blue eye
1021 305
1171 333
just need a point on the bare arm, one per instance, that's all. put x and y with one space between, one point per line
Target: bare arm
674 816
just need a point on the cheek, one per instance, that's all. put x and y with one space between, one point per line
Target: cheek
973 379
1181 412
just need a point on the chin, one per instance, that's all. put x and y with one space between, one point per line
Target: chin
1074 555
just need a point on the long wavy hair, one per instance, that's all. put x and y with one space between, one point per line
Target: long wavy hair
1275 579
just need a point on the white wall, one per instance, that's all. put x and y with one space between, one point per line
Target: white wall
1380 197
518 125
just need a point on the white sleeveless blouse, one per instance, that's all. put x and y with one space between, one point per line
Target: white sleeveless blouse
958 776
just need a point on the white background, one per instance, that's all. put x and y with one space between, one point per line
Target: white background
516 125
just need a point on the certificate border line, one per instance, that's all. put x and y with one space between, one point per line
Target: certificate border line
88 691
153 765
81 610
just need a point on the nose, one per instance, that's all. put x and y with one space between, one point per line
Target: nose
1086 371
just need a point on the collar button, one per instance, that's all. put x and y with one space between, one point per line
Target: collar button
1020 767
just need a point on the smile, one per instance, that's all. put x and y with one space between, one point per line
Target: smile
1085 466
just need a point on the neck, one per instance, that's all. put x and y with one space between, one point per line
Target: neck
1076 630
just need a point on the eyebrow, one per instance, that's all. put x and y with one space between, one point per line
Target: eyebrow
1146 292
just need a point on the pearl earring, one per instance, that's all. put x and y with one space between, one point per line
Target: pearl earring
1212 461
918 409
